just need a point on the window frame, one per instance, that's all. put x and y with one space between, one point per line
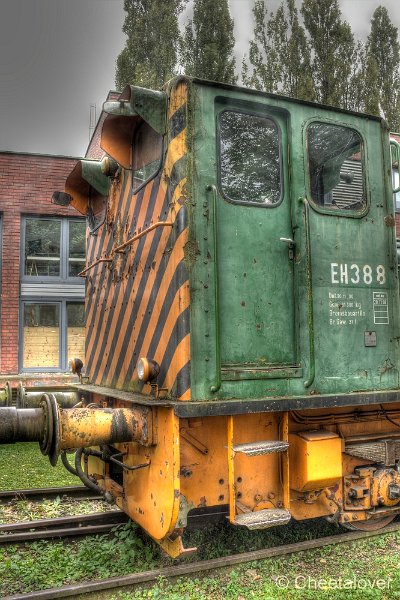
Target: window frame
339 212
396 203
262 113
161 162
64 250
63 335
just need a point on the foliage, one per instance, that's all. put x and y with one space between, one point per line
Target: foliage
383 51
333 47
208 41
323 573
150 55
22 466
41 565
279 53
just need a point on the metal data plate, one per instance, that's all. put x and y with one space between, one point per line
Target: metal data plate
369 338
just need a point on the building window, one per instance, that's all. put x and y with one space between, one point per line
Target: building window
250 159
53 247
53 333
52 295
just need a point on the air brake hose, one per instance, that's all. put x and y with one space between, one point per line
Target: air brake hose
66 463
86 480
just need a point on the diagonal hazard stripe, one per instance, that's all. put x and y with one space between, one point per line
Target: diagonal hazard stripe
102 287
111 328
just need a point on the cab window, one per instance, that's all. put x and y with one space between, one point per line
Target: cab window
250 159
146 155
335 156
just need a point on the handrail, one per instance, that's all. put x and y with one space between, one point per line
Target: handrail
121 247
96 262
217 382
395 158
310 317
141 234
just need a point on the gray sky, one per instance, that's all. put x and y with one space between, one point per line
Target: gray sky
57 57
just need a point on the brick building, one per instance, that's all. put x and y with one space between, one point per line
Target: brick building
42 252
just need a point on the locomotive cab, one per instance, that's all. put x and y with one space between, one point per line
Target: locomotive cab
242 330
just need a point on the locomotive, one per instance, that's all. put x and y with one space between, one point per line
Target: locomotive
242 314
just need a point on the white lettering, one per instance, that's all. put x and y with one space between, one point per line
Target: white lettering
334 273
356 276
343 274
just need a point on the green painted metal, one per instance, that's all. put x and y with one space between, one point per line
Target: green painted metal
334 326
149 104
92 173
395 147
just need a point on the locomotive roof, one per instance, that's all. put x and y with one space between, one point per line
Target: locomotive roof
255 92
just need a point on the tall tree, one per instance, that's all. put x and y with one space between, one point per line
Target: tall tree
383 49
333 48
279 53
208 41
150 55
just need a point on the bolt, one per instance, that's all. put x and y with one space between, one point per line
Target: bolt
221 482
221 497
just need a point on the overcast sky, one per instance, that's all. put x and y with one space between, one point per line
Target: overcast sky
57 57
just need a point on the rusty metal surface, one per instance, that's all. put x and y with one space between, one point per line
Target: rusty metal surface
84 427
21 425
134 397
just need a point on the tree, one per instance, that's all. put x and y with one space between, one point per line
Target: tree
208 41
150 55
383 54
279 53
333 48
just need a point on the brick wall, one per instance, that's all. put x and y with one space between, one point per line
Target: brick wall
27 182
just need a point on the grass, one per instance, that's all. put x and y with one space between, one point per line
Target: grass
360 570
23 466
41 565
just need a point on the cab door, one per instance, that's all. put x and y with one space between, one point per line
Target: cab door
254 239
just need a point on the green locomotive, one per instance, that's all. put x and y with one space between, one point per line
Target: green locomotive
242 336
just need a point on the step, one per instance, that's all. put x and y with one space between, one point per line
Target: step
262 519
265 447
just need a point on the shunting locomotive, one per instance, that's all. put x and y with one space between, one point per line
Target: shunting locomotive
242 314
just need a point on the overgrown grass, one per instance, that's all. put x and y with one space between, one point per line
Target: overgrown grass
23 466
362 570
44 564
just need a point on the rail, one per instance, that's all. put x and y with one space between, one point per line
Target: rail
217 376
310 302
121 247
60 527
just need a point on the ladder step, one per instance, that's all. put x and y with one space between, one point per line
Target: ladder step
257 448
262 519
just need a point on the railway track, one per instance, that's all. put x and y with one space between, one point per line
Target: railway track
131 580
39 494
71 526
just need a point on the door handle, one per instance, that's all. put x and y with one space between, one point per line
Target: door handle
290 244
